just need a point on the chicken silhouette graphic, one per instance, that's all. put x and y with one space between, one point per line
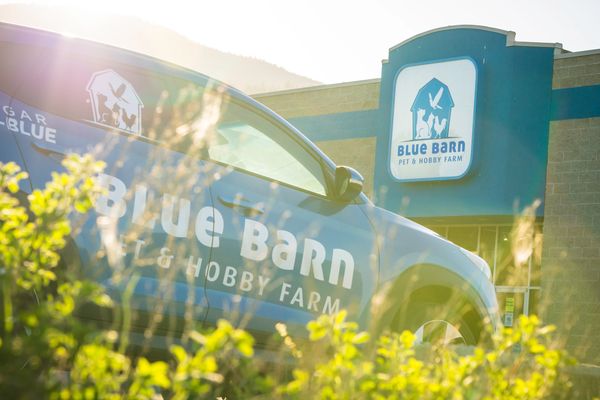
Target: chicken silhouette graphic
434 102
438 127
128 120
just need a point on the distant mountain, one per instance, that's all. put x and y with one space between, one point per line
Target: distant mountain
248 74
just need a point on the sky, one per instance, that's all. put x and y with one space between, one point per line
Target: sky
345 40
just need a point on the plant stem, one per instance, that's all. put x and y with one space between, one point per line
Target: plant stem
7 307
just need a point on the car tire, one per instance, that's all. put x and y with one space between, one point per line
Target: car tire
437 323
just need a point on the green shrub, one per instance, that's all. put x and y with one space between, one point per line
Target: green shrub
521 364
45 352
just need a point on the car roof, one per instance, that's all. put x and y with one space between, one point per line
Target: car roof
34 36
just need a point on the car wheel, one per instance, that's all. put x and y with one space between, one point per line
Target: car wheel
438 323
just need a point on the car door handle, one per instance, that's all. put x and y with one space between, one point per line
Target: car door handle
239 202
52 153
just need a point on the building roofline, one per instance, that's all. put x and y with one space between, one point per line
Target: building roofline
510 36
577 53
318 87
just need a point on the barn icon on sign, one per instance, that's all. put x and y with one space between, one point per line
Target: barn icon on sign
115 103
431 111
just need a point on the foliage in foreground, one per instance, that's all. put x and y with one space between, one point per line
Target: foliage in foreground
47 352
520 364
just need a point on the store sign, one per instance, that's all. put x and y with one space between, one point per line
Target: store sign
432 121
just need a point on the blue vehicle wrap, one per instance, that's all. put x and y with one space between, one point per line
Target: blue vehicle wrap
205 231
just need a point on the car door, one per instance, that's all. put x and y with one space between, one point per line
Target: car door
288 250
140 239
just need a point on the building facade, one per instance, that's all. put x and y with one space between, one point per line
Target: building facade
494 144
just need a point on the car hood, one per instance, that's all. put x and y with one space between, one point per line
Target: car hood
403 243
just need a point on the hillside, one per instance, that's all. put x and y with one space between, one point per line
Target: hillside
251 75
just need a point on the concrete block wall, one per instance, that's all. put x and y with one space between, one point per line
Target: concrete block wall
324 99
577 71
571 247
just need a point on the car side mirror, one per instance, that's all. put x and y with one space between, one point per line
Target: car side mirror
348 183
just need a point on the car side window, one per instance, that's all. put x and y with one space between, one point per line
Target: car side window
250 142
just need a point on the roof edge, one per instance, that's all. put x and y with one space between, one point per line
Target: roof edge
510 36
578 53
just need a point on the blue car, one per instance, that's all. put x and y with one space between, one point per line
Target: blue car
216 207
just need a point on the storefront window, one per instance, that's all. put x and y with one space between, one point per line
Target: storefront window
536 261
517 286
508 273
487 245
464 236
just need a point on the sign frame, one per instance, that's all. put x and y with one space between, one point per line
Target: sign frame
473 120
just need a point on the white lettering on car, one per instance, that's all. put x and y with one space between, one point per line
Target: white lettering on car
284 254
208 222
331 266
139 208
112 204
22 122
330 305
312 258
254 241
254 247
179 228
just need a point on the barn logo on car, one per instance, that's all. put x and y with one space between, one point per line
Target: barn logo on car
433 118
115 103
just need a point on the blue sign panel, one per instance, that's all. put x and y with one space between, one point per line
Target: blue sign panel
464 120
